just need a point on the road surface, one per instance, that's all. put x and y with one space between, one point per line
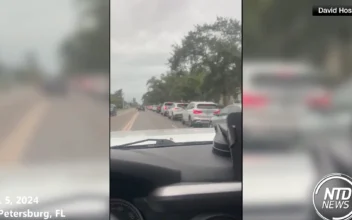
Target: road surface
37 129
132 120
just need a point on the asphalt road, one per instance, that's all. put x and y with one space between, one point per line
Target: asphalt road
37 129
132 120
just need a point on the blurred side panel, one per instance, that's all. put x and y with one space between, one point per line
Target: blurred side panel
54 109
296 105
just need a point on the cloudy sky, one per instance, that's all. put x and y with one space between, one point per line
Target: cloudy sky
142 32
35 25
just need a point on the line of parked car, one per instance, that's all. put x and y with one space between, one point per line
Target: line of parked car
113 110
197 113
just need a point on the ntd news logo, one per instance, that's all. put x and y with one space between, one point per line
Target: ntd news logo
337 198
332 197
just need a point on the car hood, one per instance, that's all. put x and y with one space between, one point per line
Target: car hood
272 179
176 135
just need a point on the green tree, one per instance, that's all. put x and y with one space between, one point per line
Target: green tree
117 98
134 102
288 29
30 71
205 66
87 50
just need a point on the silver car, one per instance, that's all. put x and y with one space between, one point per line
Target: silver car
278 96
175 111
199 113
221 116
165 107
113 110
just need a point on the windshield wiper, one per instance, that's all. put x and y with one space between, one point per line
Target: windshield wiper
159 143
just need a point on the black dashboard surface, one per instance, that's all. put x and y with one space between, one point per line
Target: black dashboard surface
135 173
172 164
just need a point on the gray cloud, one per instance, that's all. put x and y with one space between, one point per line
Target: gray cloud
143 31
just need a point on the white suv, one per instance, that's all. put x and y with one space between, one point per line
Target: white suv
278 96
199 113
165 107
175 111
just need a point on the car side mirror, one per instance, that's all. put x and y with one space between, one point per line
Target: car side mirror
228 142
234 126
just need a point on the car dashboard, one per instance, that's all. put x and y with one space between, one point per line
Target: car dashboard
141 206
130 201
167 183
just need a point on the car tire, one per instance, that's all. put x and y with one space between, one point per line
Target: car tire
190 122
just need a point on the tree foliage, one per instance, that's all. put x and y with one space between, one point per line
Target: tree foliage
288 29
206 65
88 49
117 98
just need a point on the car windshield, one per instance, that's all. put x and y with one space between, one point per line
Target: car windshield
185 90
286 80
207 106
182 105
234 108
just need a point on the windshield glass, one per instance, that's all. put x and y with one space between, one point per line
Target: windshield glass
182 105
207 106
285 81
153 65
234 108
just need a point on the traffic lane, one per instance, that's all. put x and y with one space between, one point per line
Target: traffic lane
17 95
12 113
74 128
19 113
121 120
149 120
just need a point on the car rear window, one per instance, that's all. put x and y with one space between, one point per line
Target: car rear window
270 80
207 106
182 105
168 103
235 108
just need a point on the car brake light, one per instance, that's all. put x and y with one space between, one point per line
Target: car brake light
252 100
164 107
197 112
321 101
